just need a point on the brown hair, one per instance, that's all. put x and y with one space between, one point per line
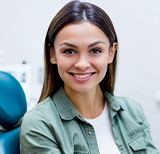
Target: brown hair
76 11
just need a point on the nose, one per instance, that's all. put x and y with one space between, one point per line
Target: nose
82 63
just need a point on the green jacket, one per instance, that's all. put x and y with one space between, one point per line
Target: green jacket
55 127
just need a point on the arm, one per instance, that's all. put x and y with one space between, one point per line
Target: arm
147 136
37 135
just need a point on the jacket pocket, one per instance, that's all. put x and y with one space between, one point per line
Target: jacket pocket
138 145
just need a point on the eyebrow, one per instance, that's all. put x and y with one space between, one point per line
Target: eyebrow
95 43
74 46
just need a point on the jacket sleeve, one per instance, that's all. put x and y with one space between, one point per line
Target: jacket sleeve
37 136
151 149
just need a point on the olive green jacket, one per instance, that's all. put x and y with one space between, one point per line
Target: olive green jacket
55 127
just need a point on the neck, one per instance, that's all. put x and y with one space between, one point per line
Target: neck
89 105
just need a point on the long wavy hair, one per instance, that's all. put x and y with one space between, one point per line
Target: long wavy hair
72 12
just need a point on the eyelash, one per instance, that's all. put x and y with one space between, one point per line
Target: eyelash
92 51
69 51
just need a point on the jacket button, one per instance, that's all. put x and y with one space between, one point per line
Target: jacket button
89 132
121 149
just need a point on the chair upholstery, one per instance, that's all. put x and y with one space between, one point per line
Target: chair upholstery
13 106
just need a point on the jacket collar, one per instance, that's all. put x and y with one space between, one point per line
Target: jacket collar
63 105
67 111
114 103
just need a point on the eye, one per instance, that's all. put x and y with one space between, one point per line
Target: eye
95 51
69 51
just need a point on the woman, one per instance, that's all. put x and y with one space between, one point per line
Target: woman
77 111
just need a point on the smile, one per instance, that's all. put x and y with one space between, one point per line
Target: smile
82 76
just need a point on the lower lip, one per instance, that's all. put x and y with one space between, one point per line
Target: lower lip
82 79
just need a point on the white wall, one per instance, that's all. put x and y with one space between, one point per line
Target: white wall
23 25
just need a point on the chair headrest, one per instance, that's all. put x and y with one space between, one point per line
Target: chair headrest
13 103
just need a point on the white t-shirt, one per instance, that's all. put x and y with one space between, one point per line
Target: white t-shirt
104 134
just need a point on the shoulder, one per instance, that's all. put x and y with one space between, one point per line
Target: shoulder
40 115
129 105
40 109
39 126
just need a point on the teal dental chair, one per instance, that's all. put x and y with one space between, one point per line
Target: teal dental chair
13 106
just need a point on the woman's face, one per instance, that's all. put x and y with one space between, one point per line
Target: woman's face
82 53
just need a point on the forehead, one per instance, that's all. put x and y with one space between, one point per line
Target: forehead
81 30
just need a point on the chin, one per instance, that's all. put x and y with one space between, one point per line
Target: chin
82 89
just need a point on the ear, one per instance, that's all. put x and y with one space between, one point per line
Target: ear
112 51
52 56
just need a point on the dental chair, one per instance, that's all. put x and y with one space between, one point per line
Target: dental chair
13 106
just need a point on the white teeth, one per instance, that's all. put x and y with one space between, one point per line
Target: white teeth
82 76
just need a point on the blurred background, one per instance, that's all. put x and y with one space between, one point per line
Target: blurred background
23 26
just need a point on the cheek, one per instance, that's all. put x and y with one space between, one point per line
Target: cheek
61 70
63 65
101 67
102 63
104 69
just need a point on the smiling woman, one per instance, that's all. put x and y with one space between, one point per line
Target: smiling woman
82 61
77 111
